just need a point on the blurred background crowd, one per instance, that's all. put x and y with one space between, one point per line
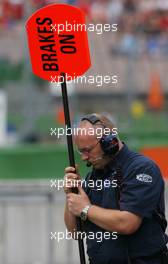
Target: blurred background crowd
137 53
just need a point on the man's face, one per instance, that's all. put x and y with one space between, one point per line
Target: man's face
88 146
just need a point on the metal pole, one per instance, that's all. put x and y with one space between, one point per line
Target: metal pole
71 160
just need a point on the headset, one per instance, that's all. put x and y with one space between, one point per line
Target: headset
109 143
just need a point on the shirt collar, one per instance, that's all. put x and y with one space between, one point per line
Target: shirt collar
122 155
118 161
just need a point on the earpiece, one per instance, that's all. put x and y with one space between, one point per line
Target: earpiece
109 143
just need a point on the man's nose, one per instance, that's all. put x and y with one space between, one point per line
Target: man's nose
84 156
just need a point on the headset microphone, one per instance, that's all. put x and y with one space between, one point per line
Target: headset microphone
88 164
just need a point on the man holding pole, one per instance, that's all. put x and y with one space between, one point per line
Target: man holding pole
127 212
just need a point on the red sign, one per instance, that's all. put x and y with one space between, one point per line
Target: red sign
58 42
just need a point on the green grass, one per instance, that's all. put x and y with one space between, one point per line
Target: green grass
48 161
35 162
45 161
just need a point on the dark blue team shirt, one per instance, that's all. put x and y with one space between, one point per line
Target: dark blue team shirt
142 192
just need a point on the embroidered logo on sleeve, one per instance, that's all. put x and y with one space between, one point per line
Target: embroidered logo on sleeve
144 177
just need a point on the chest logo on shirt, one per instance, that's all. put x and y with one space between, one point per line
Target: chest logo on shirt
144 177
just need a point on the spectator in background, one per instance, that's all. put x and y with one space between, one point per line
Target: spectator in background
164 21
152 23
114 11
11 11
85 6
99 11
129 6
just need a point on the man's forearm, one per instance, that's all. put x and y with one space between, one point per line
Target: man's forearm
122 222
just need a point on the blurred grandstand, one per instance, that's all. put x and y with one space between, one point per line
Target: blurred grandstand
137 53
